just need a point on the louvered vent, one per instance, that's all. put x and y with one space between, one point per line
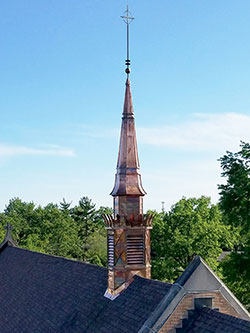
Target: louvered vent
111 259
135 250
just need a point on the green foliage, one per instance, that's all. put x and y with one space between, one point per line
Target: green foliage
22 217
64 206
83 214
235 206
76 233
236 272
88 221
235 195
192 227
96 248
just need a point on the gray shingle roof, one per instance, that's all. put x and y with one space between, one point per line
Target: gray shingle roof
206 320
41 293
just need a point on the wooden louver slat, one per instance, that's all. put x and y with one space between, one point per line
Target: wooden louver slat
135 250
111 259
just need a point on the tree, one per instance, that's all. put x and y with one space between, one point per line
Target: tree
98 218
46 230
235 206
96 249
234 196
22 216
64 205
83 215
58 233
89 220
77 233
192 227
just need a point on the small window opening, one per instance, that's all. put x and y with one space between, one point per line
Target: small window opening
203 302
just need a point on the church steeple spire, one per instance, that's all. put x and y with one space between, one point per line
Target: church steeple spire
128 230
128 178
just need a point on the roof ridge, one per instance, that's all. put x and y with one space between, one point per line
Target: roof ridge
54 256
86 263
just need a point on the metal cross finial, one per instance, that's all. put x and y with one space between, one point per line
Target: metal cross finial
127 19
8 238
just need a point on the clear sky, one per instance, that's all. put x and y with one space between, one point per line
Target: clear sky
62 88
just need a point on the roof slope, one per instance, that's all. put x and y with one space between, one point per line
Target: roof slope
42 293
206 320
197 278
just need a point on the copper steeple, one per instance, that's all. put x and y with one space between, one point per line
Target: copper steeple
128 190
128 230
128 178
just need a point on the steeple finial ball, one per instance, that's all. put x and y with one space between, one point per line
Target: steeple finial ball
127 70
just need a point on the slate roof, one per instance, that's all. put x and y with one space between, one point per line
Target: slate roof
42 293
206 320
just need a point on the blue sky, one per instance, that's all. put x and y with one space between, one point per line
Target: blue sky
62 88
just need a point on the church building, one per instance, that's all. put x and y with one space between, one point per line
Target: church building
47 294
